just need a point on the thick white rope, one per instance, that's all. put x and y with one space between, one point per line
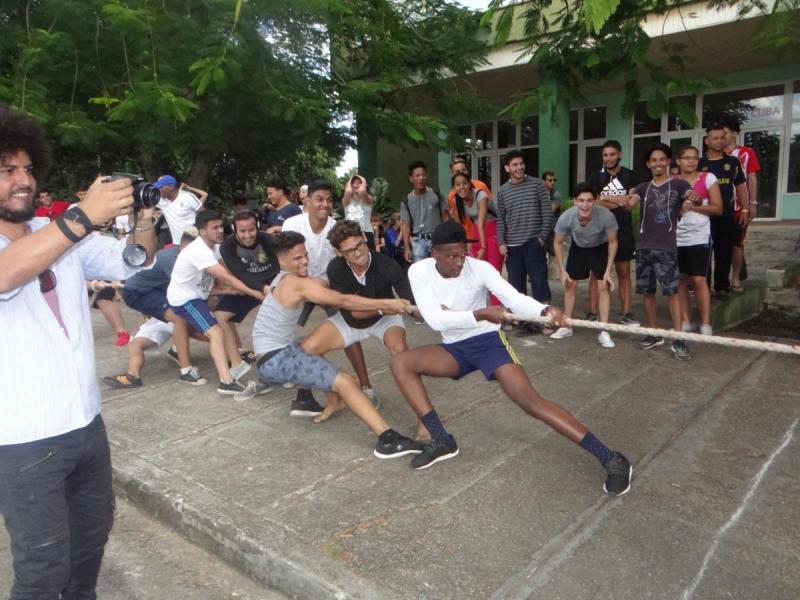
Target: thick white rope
669 333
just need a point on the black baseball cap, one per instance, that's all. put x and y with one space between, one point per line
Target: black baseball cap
449 232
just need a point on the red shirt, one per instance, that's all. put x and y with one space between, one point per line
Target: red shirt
55 210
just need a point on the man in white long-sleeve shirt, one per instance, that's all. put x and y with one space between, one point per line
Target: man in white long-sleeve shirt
55 467
451 291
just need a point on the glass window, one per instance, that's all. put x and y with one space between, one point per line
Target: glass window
506 134
751 106
465 137
573 167
594 122
642 123
640 147
767 144
531 156
796 100
484 136
680 105
593 156
529 131
485 170
678 144
793 185
573 125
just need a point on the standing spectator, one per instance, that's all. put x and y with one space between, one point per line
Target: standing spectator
358 206
420 212
592 231
459 165
725 229
751 167
549 179
377 233
56 497
49 207
613 183
278 196
524 222
694 239
663 200
179 205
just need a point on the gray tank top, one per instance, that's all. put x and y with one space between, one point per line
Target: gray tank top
275 324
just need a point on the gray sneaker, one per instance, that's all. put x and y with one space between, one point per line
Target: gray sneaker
192 377
229 388
627 319
252 390
373 396
240 371
680 351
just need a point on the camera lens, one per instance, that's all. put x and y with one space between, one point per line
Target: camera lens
145 195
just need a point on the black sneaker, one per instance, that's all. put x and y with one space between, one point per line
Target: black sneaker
651 341
230 388
435 452
628 319
192 377
171 353
680 351
125 381
524 329
393 445
305 405
590 316
618 475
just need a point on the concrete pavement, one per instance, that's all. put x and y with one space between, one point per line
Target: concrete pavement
307 510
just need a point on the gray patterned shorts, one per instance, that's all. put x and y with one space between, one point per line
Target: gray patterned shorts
656 266
292 365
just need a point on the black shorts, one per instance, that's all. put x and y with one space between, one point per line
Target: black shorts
152 303
487 352
107 293
694 260
237 304
626 245
582 261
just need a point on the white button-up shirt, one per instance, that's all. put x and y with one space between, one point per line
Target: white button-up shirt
48 379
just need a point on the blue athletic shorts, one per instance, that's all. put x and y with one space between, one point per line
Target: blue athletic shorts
486 352
292 365
237 304
196 313
152 303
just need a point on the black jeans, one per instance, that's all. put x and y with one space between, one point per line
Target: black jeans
58 506
529 261
724 233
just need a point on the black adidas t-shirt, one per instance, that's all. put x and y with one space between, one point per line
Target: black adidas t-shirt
729 174
606 184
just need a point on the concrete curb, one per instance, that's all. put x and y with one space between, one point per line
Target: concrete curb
204 523
738 308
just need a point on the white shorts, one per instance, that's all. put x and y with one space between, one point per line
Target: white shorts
351 335
156 331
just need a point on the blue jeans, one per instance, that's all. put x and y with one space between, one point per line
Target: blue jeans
58 506
420 248
529 261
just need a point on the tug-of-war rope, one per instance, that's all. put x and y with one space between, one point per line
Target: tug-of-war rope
669 333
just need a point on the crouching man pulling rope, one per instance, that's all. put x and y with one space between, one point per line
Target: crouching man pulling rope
451 290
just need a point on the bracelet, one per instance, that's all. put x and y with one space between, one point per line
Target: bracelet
75 213
153 224
745 210
65 229
380 312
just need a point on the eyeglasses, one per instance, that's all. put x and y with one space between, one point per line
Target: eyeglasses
47 281
357 248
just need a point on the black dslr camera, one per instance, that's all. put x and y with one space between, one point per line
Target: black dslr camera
144 194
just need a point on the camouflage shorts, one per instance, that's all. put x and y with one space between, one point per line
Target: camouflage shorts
656 267
292 365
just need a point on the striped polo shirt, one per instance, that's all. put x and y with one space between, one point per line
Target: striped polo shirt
524 212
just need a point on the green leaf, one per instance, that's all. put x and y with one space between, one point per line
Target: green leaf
597 12
414 133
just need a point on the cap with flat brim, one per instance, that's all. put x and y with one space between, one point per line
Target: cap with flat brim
165 180
450 232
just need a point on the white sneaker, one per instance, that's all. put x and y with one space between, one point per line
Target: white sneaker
561 333
288 385
706 330
373 396
240 371
252 390
686 327
605 340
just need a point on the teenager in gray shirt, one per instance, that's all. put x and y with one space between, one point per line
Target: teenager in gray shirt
420 212
593 231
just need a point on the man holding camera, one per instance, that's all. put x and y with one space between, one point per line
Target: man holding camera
55 471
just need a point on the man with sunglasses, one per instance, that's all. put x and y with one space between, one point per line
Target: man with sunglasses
55 470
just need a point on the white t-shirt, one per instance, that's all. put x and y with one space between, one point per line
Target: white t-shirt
694 229
190 281
180 213
360 212
446 303
320 251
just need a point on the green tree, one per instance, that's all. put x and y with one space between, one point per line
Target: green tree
222 92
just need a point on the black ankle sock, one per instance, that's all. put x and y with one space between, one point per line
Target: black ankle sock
435 427
597 448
